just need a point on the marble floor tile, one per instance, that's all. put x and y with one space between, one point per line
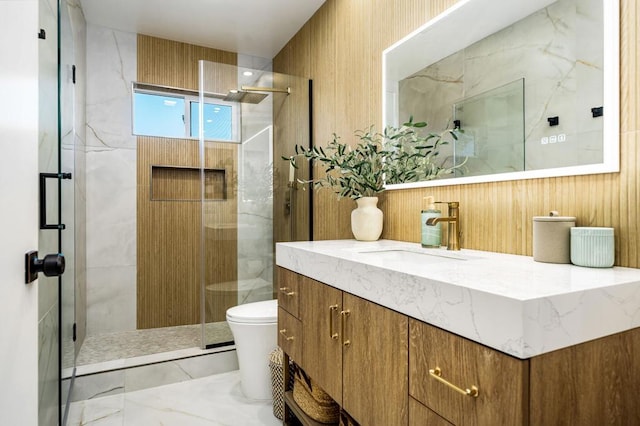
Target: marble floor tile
214 401
105 411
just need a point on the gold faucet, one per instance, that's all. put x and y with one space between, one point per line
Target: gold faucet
453 233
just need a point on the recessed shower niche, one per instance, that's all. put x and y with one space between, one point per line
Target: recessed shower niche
181 183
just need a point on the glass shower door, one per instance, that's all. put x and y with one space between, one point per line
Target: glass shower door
67 138
238 184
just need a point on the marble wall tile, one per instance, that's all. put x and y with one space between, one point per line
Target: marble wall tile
110 164
149 376
48 372
111 207
163 373
152 375
111 299
111 69
202 366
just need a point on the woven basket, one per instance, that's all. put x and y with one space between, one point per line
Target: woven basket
315 402
277 382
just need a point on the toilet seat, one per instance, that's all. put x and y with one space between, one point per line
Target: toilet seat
265 312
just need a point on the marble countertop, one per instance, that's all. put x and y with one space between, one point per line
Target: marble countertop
510 303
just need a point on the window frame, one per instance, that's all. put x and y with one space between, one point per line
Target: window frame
188 97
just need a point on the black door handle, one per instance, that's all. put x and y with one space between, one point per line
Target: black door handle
51 266
43 198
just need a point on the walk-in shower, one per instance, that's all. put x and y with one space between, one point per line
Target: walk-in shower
181 226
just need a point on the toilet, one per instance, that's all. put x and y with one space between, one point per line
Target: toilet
255 331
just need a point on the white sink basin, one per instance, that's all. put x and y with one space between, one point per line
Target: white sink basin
427 256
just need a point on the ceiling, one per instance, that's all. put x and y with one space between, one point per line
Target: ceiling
253 27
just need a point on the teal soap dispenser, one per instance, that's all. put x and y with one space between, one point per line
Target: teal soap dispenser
431 234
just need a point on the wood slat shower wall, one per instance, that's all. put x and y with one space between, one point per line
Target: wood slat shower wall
346 40
291 127
168 232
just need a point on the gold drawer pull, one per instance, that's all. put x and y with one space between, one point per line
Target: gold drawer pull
332 333
436 373
284 333
286 291
345 314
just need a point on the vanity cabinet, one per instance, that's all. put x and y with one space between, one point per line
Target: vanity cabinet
355 350
386 369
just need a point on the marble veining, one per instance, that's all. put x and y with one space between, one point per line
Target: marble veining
508 302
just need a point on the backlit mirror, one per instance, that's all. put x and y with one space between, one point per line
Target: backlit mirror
532 85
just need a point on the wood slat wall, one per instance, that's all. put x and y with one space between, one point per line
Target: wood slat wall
291 211
344 59
168 232
174 64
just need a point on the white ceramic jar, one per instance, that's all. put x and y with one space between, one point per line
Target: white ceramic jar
592 247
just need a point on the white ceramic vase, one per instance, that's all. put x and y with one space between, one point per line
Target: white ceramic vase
366 219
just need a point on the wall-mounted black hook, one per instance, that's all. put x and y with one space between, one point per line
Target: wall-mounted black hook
456 124
553 121
597 111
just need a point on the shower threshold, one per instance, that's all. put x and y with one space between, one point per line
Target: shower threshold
126 349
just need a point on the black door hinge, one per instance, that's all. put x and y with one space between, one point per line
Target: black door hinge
73 74
74 332
42 34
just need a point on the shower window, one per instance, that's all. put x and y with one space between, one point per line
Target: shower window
173 113
158 115
218 121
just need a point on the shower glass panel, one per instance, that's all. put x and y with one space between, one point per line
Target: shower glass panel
237 246
492 136
71 155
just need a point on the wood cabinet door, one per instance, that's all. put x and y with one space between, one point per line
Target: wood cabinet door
593 383
502 380
290 335
375 363
320 307
288 288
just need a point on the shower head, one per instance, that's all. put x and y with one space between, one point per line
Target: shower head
251 95
244 96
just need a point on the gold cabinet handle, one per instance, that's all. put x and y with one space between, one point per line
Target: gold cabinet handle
345 314
286 291
436 373
332 333
284 333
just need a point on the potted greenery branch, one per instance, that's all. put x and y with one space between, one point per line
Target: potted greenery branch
400 154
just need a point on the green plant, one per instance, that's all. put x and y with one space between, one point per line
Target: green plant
398 155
